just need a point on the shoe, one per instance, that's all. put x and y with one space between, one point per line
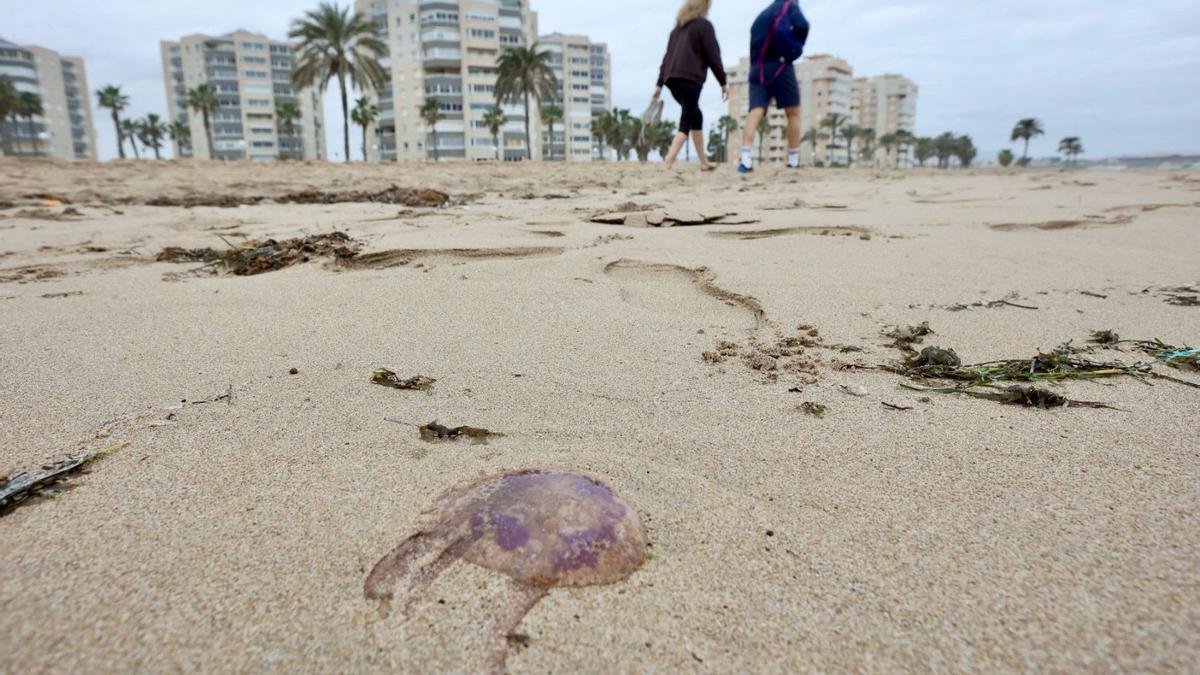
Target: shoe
742 168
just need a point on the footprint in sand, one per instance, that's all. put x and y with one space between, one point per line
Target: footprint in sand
654 286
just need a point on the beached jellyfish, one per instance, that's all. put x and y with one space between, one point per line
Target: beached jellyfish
542 529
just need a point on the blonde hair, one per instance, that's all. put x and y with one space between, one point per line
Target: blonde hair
692 9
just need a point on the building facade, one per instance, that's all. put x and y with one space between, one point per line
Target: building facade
65 128
447 50
886 103
252 76
584 73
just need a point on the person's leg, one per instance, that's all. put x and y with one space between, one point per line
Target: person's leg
746 158
676 146
793 135
698 143
787 97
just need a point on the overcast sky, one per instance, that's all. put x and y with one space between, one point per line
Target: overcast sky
1125 76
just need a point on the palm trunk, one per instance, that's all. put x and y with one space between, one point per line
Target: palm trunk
37 144
207 133
156 155
364 142
117 125
528 139
436 158
133 144
496 145
345 115
1025 153
849 152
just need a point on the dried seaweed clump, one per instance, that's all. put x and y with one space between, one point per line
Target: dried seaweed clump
389 378
434 432
903 338
47 478
541 529
1015 394
415 197
268 255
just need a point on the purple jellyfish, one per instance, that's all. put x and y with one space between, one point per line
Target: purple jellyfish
542 529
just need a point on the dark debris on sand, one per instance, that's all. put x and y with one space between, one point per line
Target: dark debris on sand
268 255
413 197
389 378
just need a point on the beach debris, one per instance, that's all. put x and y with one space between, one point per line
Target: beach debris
541 529
894 406
853 390
1105 337
757 360
47 478
268 255
936 356
814 409
724 349
413 197
1062 363
1091 294
389 378
903 338
69 213
1014 394
1006 301
433 432
670 218
65 294
293 371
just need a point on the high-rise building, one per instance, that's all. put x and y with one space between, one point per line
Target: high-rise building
447 50
64 129
252 76
886 103
584 74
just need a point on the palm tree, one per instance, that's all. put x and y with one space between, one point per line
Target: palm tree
925 148
130 130
612 129
964 149
152 132
286 114
904 139
551 113
431 112
364 115
495 118
203 99
1005 158
867 136
849 133
336 43
811 136
832 121
181 135
29 106
111 97
9 100
888 142
944 147
654 137
1072 147
763 128
726 125
523 72
1026 129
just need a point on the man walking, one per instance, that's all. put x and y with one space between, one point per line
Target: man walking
777 39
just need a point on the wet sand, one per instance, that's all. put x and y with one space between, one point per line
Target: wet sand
236 536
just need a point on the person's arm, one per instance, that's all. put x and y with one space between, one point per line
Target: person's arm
712 52
662 68
799 23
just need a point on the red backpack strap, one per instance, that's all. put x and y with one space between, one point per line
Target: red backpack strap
762 56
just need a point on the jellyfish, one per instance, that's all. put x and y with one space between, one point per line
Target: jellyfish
541 529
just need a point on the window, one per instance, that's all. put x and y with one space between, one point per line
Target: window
480 70
439 34
257 103
580 87
581 73
578 99
253 45
483 88
436 16
255 73
263 144
481 33
476 16
254 59
262 130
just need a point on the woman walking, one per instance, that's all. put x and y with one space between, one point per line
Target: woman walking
692 51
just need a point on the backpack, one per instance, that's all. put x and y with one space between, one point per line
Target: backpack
785 44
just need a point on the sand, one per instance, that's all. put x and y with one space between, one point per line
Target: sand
959 535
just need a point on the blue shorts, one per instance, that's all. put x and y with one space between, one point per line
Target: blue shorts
783 89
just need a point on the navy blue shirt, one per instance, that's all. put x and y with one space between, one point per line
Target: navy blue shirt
762 27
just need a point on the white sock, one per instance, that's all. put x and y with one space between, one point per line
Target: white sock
747 157
793 157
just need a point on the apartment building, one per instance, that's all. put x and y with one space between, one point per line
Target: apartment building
252 76
447 49
887 104
65 129
584 73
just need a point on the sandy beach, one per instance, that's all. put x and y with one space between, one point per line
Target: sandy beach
261 481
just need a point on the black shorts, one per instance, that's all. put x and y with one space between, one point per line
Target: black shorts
687 94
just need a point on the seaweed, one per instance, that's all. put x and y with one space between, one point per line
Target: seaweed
903 338
1014 394
389 378
19 488
814 409
257 257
